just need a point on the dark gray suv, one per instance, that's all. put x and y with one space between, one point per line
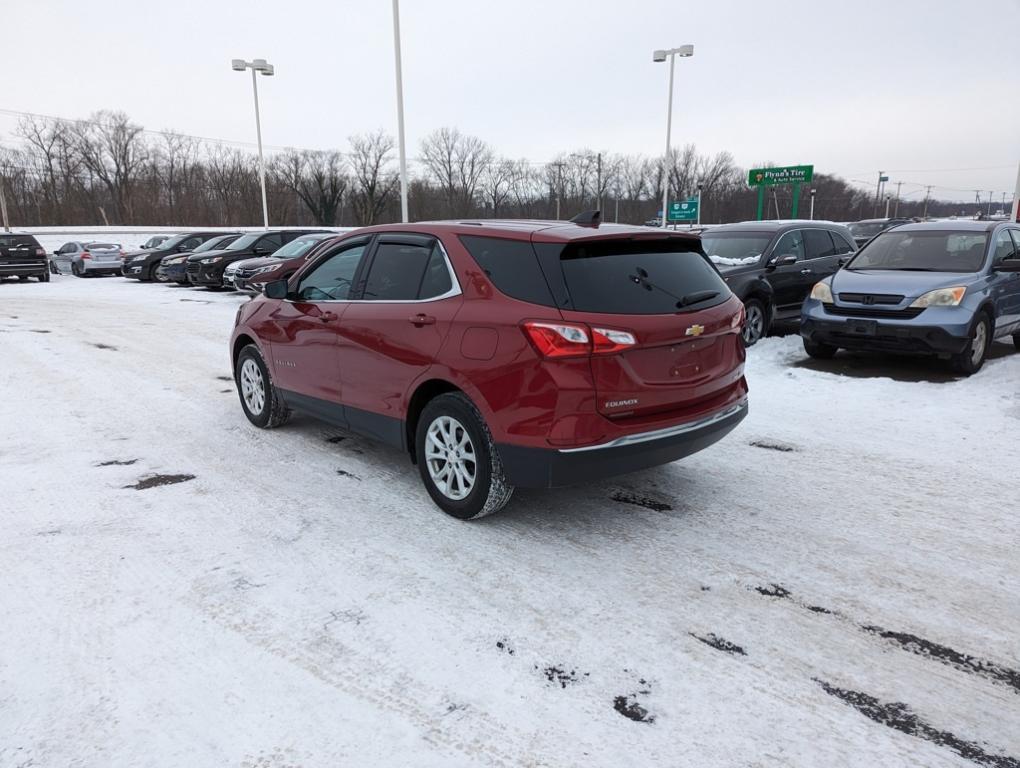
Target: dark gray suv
772 265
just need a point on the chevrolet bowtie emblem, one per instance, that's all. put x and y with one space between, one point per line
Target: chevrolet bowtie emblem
695 330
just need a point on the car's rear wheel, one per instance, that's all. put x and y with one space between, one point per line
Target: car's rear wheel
756 322
43 278
261 402
820 351
970 360
75 269
457 460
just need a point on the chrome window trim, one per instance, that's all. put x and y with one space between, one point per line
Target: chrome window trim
660 434
455 290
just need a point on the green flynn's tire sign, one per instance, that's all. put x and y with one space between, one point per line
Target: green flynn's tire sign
790 174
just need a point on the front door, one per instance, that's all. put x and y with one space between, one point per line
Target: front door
787 281
1006 285
391 336
303 332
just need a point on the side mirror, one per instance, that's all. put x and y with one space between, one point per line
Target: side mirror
1008 265
277 289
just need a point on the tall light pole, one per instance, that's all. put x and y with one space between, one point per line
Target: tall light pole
683 51
3 205
813 190
267 70
400 112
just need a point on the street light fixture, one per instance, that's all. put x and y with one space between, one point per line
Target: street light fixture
267 70
660 55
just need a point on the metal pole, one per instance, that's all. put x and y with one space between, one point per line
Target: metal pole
617 217
598 183
887 206
761 202
990 202
812 205
3 204
878 191
262 162
1016 198
796 200
669 130
896 212
927 196
400 112
699 205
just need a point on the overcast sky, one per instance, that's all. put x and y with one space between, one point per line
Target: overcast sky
920 89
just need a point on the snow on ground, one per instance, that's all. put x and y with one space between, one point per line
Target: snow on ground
836 583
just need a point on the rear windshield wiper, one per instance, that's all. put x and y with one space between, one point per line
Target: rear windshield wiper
640 277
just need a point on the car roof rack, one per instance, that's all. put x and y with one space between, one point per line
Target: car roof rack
588 219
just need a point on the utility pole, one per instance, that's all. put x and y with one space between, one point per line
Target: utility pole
3 204
400 112
598 182
887 206
896 212
878 191
559 187
927 196
990 203
813 190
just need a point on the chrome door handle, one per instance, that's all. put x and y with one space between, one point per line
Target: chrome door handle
806 271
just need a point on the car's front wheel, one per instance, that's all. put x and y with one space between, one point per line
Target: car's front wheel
756 322
261 402
970 360
457 459
820 351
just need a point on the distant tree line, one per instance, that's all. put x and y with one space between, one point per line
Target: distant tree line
108 170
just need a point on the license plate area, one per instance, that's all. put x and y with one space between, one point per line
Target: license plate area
862 327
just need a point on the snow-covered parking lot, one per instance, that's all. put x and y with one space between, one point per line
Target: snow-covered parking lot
835 583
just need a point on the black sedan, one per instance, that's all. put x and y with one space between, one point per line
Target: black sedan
207 268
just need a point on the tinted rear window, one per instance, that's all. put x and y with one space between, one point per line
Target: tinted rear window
639 278
512 267
17 241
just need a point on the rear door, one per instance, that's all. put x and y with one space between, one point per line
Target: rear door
1006 285
684 357
392 334
305 330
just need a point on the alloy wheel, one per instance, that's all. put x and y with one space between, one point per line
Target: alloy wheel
979 342
754 325
450 457
253 386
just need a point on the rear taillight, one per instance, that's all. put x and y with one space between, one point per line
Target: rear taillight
606 340
86 255
737 321
575 340
39 251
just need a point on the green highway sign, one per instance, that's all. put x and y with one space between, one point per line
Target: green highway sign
883 178
790 174
685 210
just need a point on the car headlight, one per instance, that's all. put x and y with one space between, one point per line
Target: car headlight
943 297
212 259
176 260
139 258
822 292
267 268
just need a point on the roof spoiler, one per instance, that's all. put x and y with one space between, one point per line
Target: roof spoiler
588 219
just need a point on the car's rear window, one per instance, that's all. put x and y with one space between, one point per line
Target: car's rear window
512 266
17 241
640 277
103 246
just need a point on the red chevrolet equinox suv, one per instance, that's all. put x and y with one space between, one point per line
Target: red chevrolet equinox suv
502 354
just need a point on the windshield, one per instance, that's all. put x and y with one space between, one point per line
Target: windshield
866 229
298 247
925 251
735 249
172 242
244 241
216 243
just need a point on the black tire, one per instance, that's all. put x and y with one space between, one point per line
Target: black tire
75 269
43 278
820 351
491 489
274 411
1016 341
972 358
756 323
53 268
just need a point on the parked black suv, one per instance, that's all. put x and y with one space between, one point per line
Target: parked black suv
207 268
142 266
21 256
772 265
865 229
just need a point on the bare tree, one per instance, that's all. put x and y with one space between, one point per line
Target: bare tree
456 163
112 149
373 176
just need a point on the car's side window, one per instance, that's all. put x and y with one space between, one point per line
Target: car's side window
270 242
191 243
436 280
398 271
1016 243
792 243
818 244
331 279
1003 247
843 245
